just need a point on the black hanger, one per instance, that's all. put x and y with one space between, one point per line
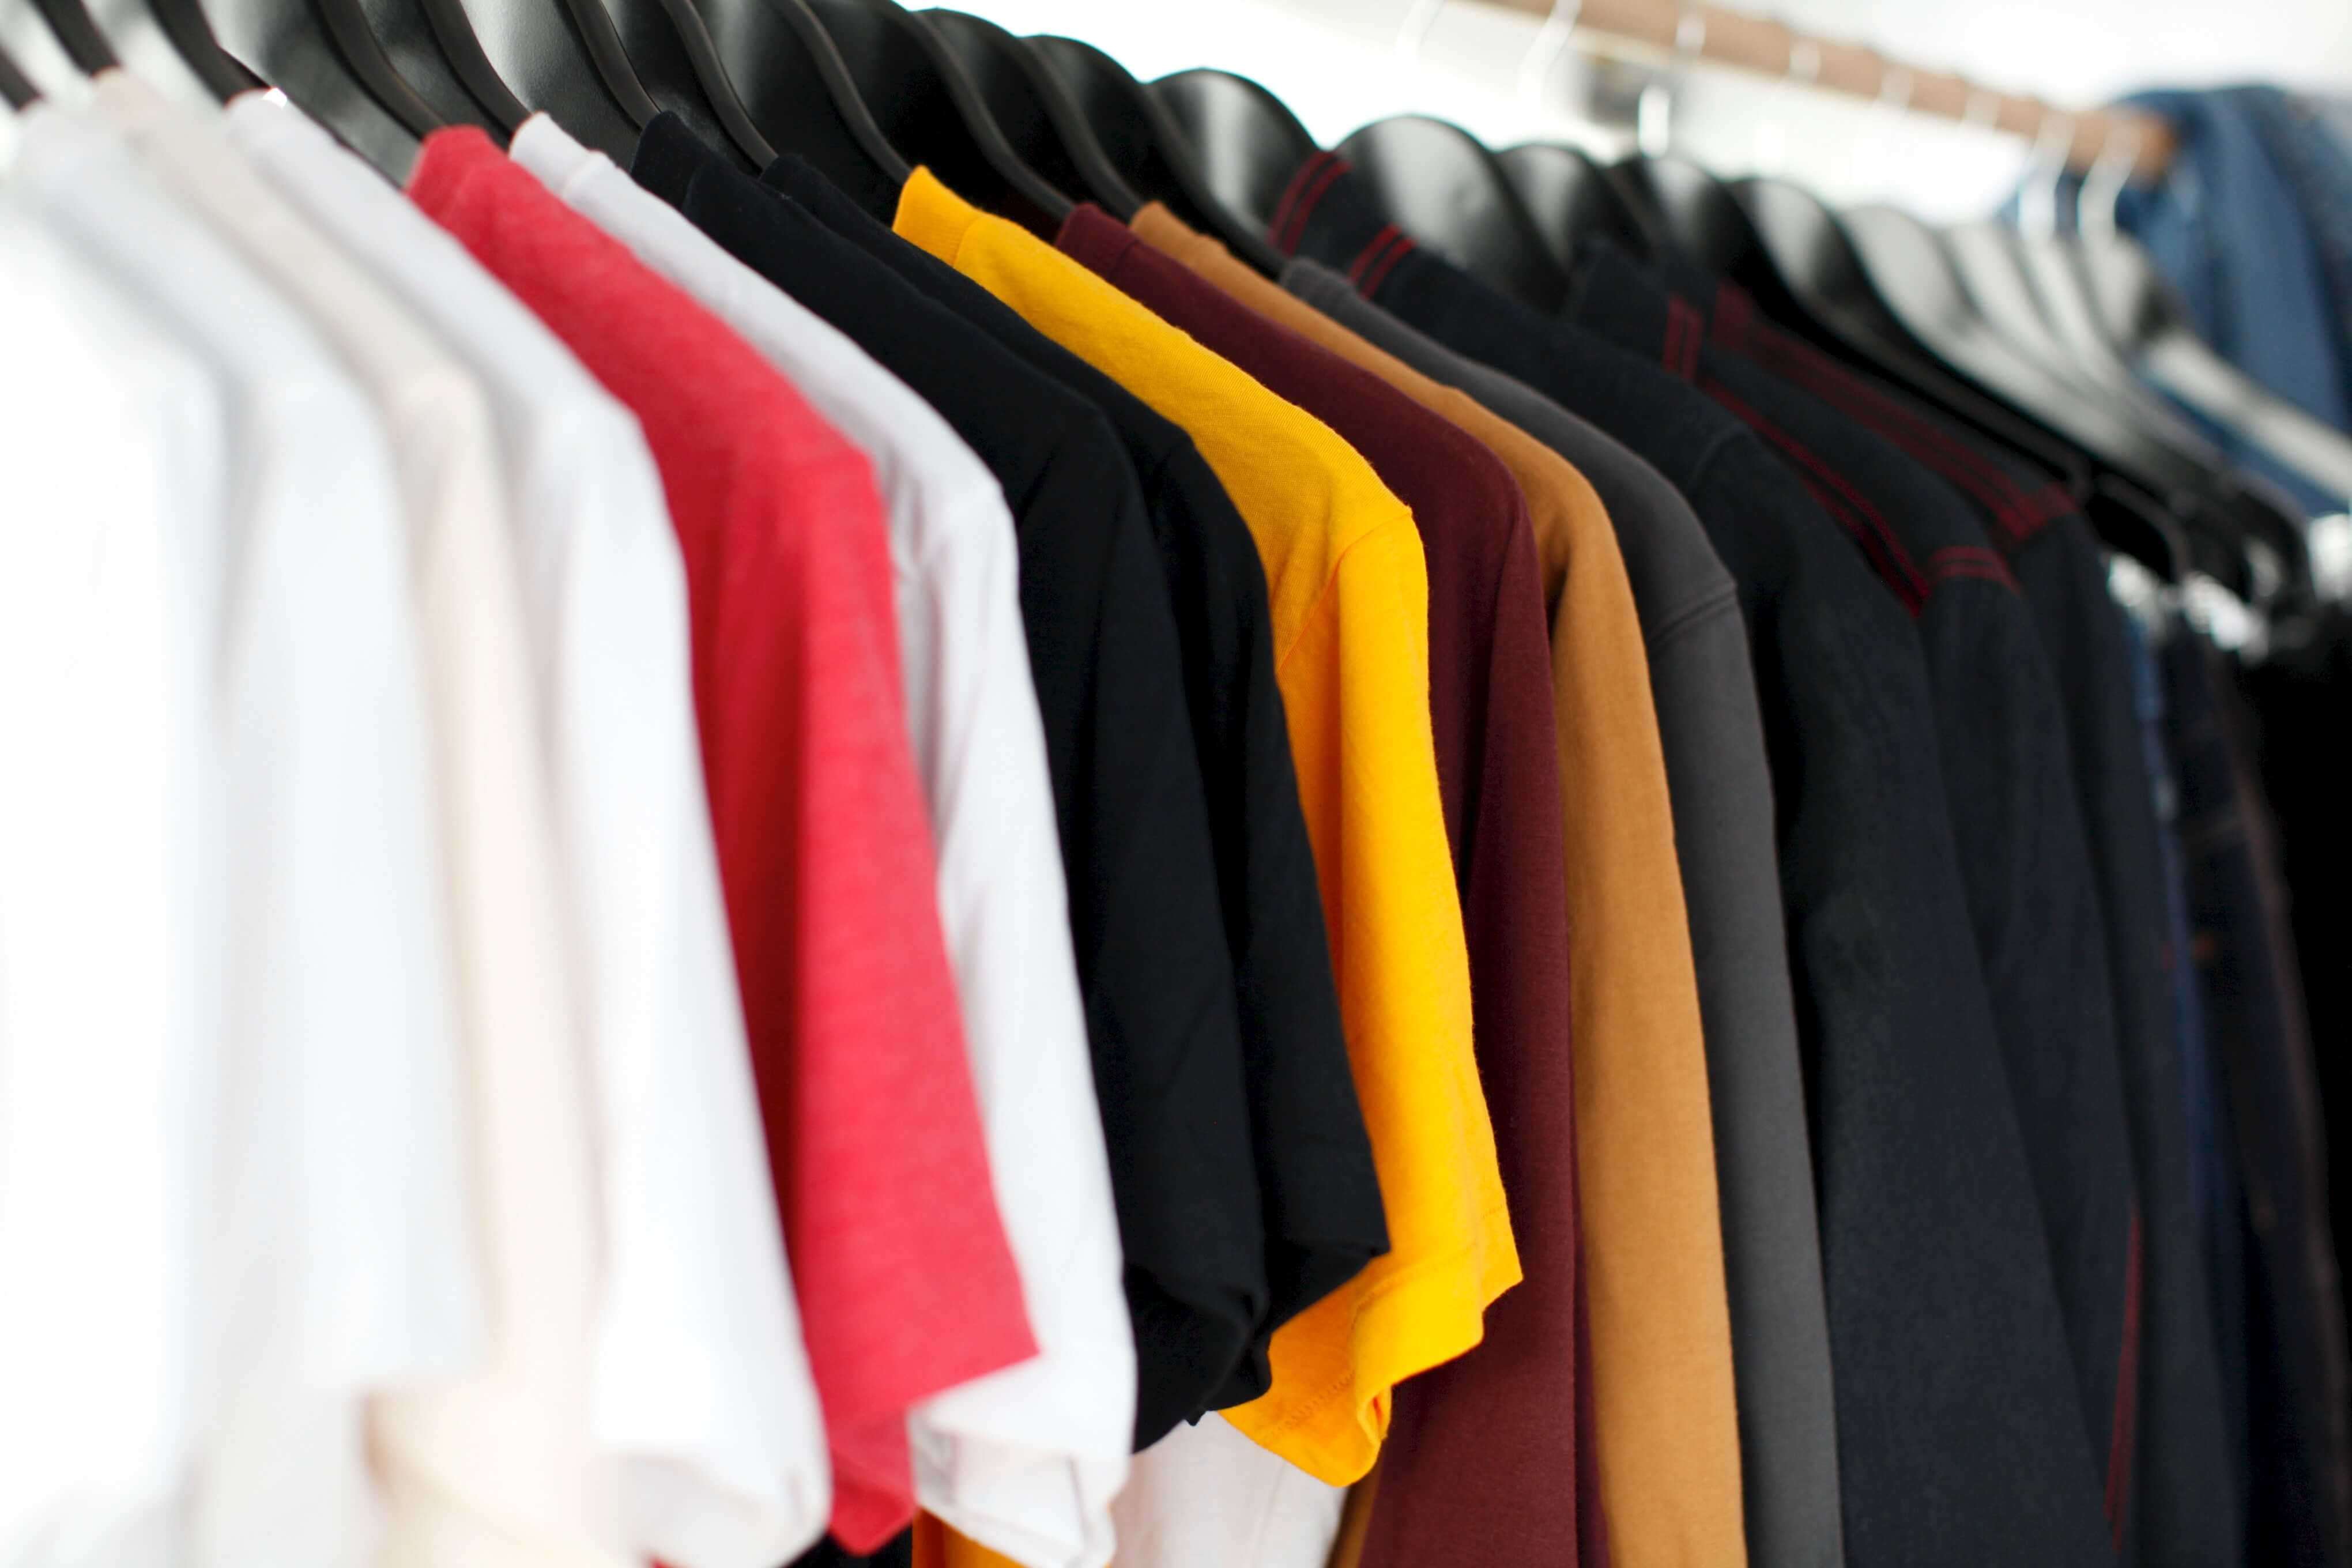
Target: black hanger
1248 144
1710 225
1571 199
1149 149
933 114
1440 184
1806 275
183 25
2148 327
1035 110
800 94
563 58
78 35
671 51
1912 270
14 86
433 47
353 92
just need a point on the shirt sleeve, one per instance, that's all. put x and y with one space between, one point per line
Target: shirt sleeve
1355 685
906 1281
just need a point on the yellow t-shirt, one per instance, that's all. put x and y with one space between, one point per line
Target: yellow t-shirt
1351 609
1663 1409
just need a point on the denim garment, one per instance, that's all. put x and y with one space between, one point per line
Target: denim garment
2231 228
2213 1149
2299 1506
1959 1435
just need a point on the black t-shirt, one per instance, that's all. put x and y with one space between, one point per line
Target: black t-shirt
1149 935
1322 1202
1959 1439
2008 782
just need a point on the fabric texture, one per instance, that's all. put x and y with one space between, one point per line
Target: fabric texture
2010 781
1152 959
1490 699
1721 784
117 438
1665 1376
1451 1488
504 1453
1031 1455
2184 1507
1945 1331
1319 1193
323 1241
1348 589
907 1284
701 1384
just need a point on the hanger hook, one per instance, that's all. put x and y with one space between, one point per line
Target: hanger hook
2102 187
1893 96
1989 120
1804 69
1413 31
2037 203
1543 54
1894 88
1653 112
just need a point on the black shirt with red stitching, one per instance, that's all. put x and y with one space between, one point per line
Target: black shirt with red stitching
1961 1436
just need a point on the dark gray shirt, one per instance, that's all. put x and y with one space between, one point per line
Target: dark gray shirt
1721 787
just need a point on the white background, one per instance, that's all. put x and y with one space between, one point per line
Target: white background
1334 63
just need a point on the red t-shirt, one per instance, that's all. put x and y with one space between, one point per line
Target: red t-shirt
906 1282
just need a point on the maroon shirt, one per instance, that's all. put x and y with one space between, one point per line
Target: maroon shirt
1481 1452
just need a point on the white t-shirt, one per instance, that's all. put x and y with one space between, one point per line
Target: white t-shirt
114 444
496 1463
1027 1459
326 1201
1207 1494
701 1381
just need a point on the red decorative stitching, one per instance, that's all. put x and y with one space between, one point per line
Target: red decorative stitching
1861 518
1305 192
1387 235
1403 245
1734 313
2020 513
1969 561
1683 335
2120 1436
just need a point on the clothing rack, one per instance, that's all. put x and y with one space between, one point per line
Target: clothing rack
1757 44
